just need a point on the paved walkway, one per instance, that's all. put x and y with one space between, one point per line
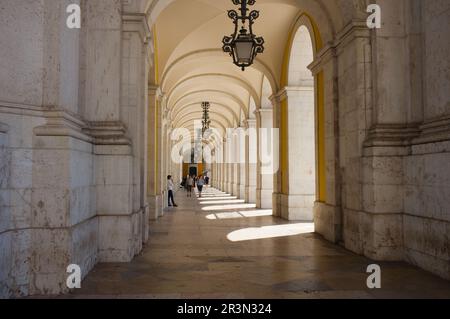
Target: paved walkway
220 247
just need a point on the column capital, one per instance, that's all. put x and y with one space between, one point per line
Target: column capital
264 111
250 123
161 96
152 89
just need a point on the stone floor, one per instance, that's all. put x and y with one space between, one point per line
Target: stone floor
219 247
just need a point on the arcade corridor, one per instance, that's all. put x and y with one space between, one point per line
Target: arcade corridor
189 256
326 124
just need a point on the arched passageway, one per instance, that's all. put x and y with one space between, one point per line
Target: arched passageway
335 128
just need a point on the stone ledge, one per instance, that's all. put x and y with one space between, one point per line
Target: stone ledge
391 135
20 109
434 131
399 139
107 133
62 123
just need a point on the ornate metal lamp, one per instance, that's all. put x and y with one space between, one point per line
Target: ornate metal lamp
243 45
206 122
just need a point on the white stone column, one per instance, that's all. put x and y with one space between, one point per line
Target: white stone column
251 159
265 170
221 166
155 195
229 165
241 162
298 200
235 186
224 185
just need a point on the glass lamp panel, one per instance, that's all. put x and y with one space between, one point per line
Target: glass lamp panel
244 52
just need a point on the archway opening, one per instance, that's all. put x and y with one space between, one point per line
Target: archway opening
299 186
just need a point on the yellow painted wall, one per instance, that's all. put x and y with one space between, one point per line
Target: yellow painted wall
321 167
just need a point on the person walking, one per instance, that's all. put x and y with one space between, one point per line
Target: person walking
170 188
189 185
200 184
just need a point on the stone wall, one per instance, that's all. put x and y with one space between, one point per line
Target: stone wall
5 209
426 221
388 199
72 163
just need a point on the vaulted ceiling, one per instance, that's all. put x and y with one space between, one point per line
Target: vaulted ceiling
191 67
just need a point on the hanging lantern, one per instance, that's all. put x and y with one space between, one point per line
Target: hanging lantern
243 45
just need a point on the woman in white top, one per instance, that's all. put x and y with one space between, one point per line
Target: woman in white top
189 185
170 187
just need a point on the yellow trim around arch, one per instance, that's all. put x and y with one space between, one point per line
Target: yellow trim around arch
320 125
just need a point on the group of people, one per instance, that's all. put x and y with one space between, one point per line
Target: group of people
189 182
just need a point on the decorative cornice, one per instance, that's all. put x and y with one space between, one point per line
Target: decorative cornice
108 133
390 140
327 54
137 22
354 29
20 109
434 130
61 122
405 136
396 135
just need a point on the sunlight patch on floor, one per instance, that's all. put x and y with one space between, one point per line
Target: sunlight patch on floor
212 198
226 207
240 214
273 231
218 202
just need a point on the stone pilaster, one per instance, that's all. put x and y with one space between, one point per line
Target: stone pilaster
266 159
299 194
155 198
251 160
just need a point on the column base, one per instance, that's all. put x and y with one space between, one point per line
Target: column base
297 207
228 188
250 194
120 237
327 221
235 190
242 192
264 199
155 206
377 236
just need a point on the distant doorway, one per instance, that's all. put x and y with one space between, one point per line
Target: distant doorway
193 171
